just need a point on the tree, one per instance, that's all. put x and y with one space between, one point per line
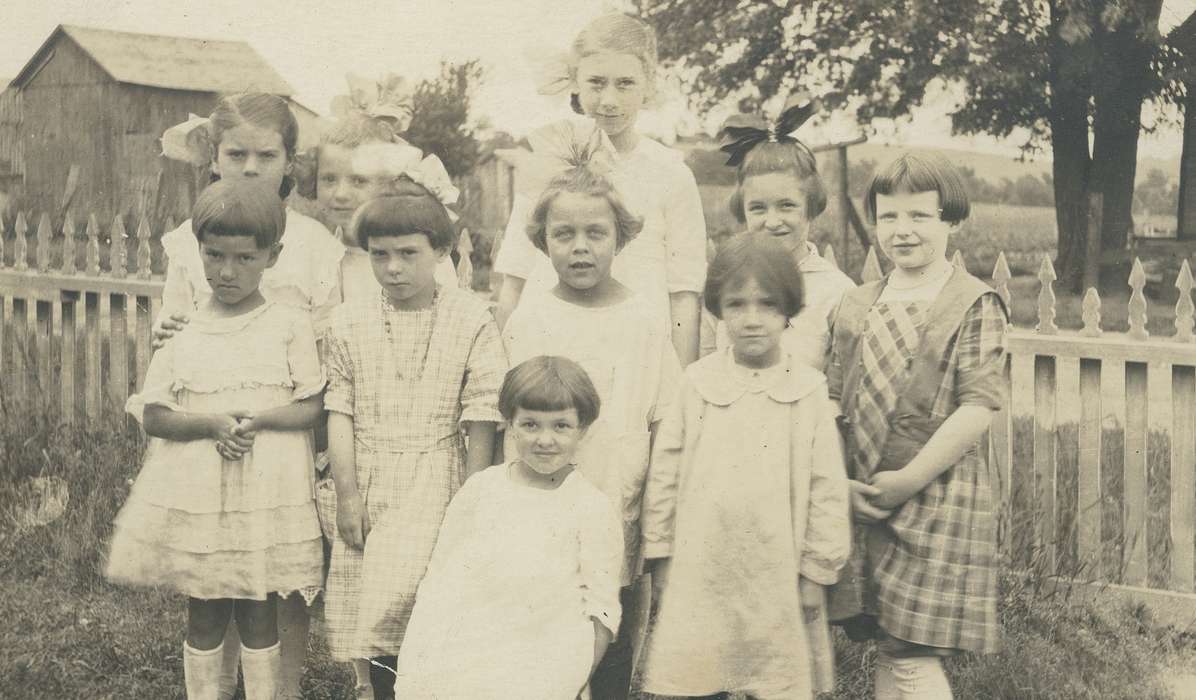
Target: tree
1065 70
440 119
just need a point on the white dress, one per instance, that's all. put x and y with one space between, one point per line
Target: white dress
669 254
626 350
505 608
306 275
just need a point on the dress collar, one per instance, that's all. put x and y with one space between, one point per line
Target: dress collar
720 382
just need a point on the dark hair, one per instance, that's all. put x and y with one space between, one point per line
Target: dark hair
549 383
582 180
264 111
770 157
407 209
752 256
228 208
921 172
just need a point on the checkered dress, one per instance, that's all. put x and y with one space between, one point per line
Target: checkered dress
927 575
408 379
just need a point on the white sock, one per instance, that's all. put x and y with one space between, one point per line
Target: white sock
260 667
201 672
230 662
911 678
293 626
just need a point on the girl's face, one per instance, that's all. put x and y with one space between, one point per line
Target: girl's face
233 266
754 322
581 236
405 266
612 88
774 204
546 440
249 152
911 230
337 190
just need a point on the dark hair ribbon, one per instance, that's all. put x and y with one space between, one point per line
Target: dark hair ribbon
742 138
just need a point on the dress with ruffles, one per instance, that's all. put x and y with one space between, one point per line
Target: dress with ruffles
215 528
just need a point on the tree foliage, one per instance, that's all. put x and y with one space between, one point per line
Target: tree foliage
440 121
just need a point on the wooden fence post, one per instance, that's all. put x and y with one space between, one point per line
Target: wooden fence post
1092 241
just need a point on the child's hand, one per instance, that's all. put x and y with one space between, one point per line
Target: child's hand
863 509
894 487
223 430
813 598
352 520
166 328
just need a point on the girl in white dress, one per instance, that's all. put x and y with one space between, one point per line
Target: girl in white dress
520 599
610 73
223 510
745 514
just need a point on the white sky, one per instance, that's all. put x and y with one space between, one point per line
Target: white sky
313 43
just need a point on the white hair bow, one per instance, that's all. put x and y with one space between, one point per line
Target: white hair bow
391 161
189 142
388 97
561 146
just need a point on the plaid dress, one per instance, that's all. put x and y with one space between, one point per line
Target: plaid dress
409 379
924 581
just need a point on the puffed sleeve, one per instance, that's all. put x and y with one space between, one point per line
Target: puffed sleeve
685 233
980 355
660 492
303 360
484 372
178 295
828 520
158 387
338 366
516 255
601 558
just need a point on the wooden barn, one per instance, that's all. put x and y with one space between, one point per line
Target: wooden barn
80 124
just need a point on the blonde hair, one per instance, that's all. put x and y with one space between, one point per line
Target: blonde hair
616 33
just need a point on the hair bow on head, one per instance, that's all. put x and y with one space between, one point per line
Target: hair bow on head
561 146
388 98
189 142
551 69
396 160
742 133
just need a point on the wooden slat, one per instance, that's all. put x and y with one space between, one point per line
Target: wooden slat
5 336
39 333
1183 480
19 344
1135 474
74 330
1089 475
1158 473
1112 459
91 371
65 401
1110 346
144 321
1021 510
1045 462
1067 447
118 355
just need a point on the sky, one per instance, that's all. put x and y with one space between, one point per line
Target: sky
314 43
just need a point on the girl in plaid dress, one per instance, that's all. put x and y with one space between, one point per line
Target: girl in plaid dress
917 364
413 371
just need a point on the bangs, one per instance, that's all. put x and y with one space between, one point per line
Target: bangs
239 209
753 257
917 172
549 383
410 210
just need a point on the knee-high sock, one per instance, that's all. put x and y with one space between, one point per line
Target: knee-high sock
201 672
260 667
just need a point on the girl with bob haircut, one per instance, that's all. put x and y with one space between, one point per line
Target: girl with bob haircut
741 535
222 510
779 194
610 75
583 225
408 209
917 366
532 529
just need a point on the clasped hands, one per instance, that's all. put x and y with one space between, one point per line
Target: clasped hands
876 500
233 432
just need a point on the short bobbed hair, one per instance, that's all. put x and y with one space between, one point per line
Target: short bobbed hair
754 257
921 172
549 383
239 208
769 157
406 210
582 180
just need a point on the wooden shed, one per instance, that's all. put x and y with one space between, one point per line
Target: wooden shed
83 118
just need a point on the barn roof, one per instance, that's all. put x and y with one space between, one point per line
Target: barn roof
172 62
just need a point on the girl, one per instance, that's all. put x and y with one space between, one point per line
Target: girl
581 222
917 363
529 530
779 194
743 534
251 137
611 76
223 510
413 371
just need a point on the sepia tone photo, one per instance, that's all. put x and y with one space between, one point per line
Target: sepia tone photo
598 349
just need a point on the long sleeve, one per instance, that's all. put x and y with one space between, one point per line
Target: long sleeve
660 492
828 525
484 373
601 559
685 233
338 366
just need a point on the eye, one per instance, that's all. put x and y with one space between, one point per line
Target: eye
247 258
378 254
328 178
768 303
359 181
267 155
756 208
887 217
733 303
527 425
